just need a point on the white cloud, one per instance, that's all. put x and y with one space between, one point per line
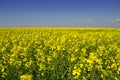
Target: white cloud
89 20
116 20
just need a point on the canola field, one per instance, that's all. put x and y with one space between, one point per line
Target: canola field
59 54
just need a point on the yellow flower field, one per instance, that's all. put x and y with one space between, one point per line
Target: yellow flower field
59 53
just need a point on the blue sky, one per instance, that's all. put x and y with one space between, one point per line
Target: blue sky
83 13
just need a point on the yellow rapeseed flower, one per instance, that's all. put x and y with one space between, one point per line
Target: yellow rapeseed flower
26 77
76 73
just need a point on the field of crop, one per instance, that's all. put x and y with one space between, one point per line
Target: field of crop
59 54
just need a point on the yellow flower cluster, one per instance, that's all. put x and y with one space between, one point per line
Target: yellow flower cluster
64 54
26 77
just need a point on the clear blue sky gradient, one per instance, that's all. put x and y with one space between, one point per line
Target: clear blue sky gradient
84 13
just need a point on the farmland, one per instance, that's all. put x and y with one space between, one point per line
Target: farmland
59 53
